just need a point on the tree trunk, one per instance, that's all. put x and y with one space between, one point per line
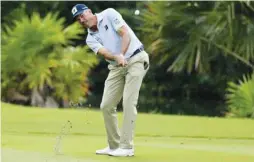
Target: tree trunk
51 103
13 95
37 99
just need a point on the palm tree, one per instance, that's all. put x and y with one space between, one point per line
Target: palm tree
38 59
204 37
195 33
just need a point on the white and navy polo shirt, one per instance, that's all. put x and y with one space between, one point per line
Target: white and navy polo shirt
108 22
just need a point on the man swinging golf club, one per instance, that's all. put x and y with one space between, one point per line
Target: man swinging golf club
110 36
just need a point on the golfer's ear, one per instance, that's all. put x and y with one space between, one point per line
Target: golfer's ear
122 30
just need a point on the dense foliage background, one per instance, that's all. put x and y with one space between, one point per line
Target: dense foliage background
202 56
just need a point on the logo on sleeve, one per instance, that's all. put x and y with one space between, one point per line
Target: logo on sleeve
117 21
98 39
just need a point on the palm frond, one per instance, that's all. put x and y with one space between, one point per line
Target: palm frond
198 33
240 97
40 49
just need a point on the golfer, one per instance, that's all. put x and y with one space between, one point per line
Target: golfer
110 36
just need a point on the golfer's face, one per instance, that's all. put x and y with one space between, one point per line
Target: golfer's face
85 19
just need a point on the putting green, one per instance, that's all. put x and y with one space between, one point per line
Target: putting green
30 134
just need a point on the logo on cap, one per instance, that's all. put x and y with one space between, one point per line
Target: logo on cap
78 9
74 10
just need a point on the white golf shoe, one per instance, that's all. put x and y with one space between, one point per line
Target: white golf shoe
104 151
122 152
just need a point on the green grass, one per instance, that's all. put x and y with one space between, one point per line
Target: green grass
29 134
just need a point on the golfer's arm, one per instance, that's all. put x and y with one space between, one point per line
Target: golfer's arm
106 54
124 33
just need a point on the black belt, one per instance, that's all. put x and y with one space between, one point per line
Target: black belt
137 51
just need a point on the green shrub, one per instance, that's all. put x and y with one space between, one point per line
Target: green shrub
240 97
39 52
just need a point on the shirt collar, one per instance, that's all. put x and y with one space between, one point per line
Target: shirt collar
99 20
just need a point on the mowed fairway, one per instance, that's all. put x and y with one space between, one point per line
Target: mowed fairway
30 134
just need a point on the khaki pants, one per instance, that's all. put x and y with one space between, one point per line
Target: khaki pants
123 82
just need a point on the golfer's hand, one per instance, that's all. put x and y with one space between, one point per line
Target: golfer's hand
120 60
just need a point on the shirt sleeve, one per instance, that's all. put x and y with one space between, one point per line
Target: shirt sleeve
93 44
115 18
